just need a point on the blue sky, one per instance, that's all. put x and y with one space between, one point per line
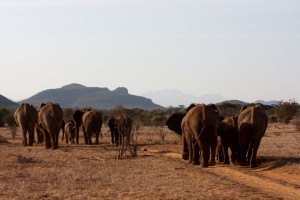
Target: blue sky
244 50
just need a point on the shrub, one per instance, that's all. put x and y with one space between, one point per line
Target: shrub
285 111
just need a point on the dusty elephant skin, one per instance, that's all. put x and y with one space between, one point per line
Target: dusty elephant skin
252 125
91 124
50 119
120 127
229 138
199 129
26 117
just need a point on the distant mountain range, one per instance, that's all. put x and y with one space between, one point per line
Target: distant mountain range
175 97
5 102
79 96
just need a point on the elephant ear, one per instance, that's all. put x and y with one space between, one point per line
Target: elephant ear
174 122
213 106
190 107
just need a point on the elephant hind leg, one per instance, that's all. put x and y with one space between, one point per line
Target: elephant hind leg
24 137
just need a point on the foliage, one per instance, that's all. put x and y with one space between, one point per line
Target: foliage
68 112
228 109
3 113
285 111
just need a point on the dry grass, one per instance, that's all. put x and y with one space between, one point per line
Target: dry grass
158 172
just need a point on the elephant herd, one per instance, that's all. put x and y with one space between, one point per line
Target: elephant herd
201 127
47 121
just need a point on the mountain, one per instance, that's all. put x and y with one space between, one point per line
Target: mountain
5 102
270 103
79 96
233 102
175 97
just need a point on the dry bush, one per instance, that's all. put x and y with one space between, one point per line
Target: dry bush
161 132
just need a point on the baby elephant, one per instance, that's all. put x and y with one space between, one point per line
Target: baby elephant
70 131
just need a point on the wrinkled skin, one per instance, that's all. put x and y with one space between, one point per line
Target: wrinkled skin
50 119
91 124
229 138
120 127
26 117
77 116
199 129
69 131
252 125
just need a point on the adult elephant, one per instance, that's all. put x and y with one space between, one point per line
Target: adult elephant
77 116
174 122
199 129
229 138
91 124
252 125
50 119
26 117
120 127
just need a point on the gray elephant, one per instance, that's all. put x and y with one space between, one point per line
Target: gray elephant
120 127
252 125
199 130
50 119
228 132
91 124
26 117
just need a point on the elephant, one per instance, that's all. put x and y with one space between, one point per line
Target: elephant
77 117
26 117
199 129
174 122
91 124
69 131
252 125
229 138
50 119
120 127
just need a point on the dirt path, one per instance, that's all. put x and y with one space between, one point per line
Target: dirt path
263 179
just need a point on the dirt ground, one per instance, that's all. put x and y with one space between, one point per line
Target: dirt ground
158 171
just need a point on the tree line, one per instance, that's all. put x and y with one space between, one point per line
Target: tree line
284 112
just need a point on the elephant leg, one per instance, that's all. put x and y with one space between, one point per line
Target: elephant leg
213 147
24 137
53 141
31 135
56 138
254 152
77 134
47 139
85 135
97 138
226 156
67 136
185 150
204 153
196 158
112 136
233 156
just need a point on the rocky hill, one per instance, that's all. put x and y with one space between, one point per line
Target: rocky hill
79 96
5 102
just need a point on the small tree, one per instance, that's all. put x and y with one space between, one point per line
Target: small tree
286 111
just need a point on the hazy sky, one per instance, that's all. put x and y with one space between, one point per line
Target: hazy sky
244 50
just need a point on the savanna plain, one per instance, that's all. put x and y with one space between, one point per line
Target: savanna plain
157 172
